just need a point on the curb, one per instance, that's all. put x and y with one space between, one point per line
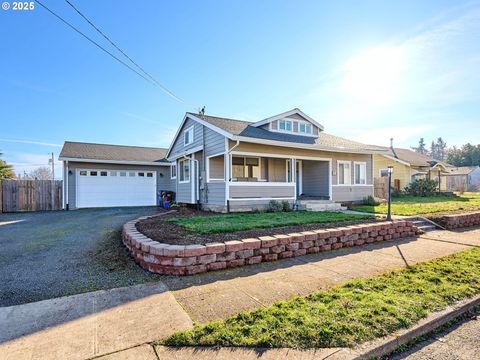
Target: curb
390 343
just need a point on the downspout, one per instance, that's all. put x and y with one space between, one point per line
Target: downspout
65 183
227 178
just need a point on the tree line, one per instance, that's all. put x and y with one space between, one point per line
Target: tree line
465 155
40 173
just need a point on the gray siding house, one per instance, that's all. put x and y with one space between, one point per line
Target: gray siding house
235 165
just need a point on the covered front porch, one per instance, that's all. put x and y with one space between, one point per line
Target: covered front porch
256 177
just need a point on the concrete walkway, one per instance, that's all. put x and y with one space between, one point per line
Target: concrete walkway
88 325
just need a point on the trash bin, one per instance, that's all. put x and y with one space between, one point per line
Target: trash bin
166 198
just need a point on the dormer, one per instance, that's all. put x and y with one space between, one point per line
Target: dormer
293 122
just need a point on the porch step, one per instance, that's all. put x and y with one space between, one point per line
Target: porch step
319 205
424 225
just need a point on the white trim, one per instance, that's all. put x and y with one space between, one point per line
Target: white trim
304 146
121 162
292 132
287 114
261 183
200 121
353 185
262 199
173 166
279 156
330 180
300 172
192 178
349 162
395 159
186 153
191 129
207 170
189 171
354 171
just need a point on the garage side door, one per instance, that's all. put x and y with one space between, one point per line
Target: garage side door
103 188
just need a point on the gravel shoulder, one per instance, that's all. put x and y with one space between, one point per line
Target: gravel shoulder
51 254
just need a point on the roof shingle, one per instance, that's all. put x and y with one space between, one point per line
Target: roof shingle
106 152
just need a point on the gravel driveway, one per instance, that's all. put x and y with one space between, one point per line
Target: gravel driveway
50 254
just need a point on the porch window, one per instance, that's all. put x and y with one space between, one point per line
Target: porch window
344 173
184 167
216 168
245 168
360 172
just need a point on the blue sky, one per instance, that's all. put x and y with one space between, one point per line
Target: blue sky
366 70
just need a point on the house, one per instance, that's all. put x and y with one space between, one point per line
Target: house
465 178
235 165
101 175
408 166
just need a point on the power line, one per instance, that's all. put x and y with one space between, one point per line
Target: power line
164 88
101 47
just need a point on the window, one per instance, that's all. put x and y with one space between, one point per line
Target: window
93 173
360 172
188 136
141 174
216 168
344 173
245 167
305 128
184 167
113 173
103 173
285 125
131 173
83 173
123 173
383 172
149 174
173 171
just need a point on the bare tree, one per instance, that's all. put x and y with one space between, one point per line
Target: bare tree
41 173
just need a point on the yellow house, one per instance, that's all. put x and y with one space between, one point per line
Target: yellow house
408 166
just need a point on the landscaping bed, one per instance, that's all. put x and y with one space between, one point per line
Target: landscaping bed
427 206
197 227
347 315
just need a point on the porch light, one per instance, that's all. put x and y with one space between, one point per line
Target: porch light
390 171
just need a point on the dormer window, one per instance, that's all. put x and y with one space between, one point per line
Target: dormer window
305 128
286 125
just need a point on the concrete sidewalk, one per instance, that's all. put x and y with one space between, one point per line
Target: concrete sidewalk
87 325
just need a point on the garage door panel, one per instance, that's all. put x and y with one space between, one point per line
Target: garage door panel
104 191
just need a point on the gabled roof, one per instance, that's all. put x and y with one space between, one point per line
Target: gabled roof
462 170
286 114
92 152
245 131
412 157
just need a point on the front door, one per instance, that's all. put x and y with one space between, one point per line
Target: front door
298 177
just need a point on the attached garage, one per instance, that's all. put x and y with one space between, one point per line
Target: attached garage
100 188
99 175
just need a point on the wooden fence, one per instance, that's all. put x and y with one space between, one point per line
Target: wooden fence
380 187
30 195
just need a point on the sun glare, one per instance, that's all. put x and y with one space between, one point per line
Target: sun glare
374 77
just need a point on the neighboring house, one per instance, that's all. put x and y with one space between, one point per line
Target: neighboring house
238 165
408 166
465 178
100 175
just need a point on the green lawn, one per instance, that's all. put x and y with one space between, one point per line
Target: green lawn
353 313
237 222
435 205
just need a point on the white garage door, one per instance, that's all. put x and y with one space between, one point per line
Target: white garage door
102 188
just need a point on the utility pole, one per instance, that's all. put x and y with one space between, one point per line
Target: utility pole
52 161
53 167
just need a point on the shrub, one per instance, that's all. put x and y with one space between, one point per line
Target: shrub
274 206
286 206
422 187
372 201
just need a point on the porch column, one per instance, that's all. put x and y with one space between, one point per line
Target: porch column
293 170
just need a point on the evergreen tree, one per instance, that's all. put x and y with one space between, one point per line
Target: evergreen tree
6 171
441 149
421 148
